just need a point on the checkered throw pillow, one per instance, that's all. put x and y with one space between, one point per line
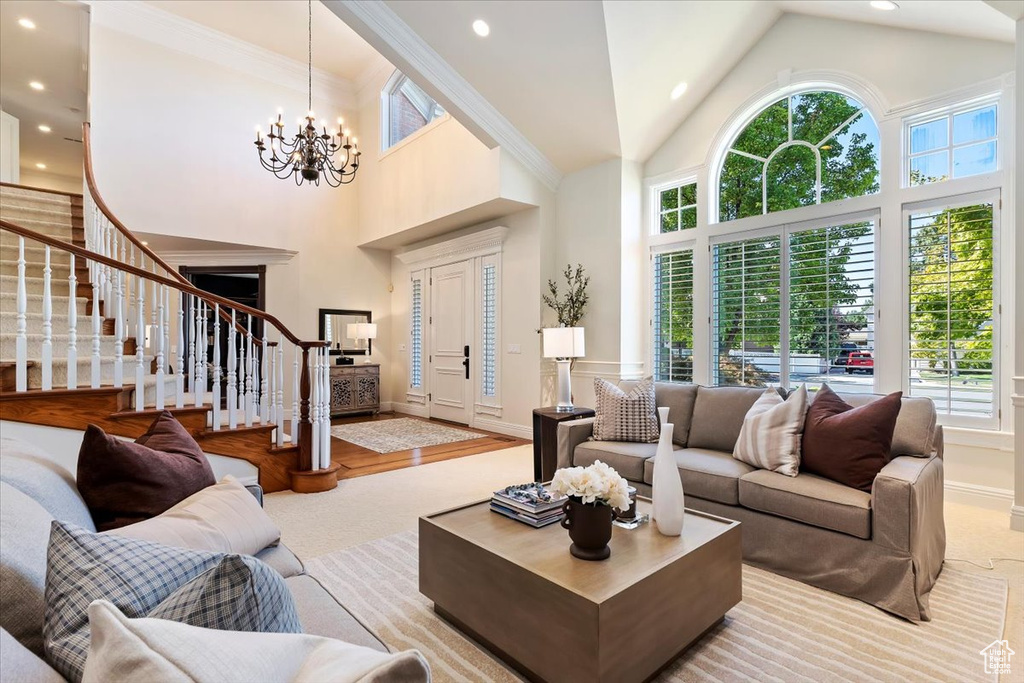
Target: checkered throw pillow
625 417
137 577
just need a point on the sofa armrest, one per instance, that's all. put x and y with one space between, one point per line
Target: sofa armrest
938 442
570 435
257 492
906 507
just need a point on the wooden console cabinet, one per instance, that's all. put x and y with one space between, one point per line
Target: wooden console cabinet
355 389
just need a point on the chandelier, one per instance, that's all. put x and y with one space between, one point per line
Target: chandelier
309 155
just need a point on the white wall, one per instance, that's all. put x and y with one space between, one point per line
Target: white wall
51 181
173 152
10 149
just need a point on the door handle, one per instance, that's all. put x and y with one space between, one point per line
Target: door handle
465 361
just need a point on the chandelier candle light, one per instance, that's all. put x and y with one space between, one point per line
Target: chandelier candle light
309 155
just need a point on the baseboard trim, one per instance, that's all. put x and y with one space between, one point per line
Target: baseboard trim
518 431
409 409
1017 518
386 407
987 497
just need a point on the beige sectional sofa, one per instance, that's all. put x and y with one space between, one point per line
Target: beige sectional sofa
885 547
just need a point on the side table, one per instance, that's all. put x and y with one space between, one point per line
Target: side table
545 438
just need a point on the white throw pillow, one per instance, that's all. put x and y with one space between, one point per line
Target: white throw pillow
770 437
145 650
223 518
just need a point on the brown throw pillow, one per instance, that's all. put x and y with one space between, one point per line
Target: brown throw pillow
846 444
124 482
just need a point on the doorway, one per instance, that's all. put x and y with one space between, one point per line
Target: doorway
450 326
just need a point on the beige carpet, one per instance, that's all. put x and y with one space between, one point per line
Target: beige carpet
783 630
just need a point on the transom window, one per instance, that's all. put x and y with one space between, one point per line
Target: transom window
808 148
407 108
678 208
954 144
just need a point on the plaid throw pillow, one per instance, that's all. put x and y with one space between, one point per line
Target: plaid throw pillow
625 417
137 577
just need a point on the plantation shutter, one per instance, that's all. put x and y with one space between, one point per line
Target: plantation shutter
489 332
416 335
952 309
831 306
746 311
673 316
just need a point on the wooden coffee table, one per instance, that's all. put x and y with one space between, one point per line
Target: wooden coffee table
553 617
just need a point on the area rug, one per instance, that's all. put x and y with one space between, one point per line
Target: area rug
782 631
400 434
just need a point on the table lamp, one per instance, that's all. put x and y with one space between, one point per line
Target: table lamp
563 344
361 332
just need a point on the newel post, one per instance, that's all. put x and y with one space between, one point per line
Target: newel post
309 477
305 426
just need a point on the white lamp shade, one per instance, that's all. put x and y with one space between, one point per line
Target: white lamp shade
564 342
361 330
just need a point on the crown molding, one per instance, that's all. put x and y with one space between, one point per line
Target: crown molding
188 37
369 83
389 31
227 257
476 244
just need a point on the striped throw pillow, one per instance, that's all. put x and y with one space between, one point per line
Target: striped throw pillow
771 433
625 416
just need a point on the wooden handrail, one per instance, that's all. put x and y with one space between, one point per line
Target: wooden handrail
41 189
186 287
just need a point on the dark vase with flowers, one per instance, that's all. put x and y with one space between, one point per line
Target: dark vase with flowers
590 528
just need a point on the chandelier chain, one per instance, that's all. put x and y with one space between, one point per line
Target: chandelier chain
309 19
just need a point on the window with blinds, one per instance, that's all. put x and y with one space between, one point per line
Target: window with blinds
952 309
831 307
673 316
489 360
746 311
416 336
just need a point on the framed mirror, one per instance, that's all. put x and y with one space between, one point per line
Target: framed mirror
341 342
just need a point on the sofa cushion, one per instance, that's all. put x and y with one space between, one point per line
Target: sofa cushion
679 399
915 426
707 474
157 650
718 414
20 665
281 559
34 472
24 530
624 457
322 615
809 499
124 482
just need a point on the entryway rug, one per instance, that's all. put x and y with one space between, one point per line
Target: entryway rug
782 631
400 434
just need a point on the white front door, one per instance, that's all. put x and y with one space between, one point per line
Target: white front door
451 332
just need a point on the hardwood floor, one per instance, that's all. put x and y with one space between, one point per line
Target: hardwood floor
357 461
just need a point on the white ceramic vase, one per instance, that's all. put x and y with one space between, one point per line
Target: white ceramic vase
667 503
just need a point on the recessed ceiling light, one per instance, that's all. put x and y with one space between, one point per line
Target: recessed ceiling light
25 22
481 28
678 91
41 166
45 128
884 5
36 85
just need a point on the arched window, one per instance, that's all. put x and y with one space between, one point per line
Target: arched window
807 148
406 109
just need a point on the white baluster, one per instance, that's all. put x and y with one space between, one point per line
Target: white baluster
47 347
271 365
232 375
249 365
132 298
111 275
295 398
191 343
264 370
119 330
199 380
179 367
325 406
216 366
242 345
21 340
314 407
140 343
166 324
159 334
280 391
96 328
72 327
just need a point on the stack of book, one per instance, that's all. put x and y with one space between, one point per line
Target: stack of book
529 503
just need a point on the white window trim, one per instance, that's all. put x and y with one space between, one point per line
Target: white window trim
951 201
948 113
385 119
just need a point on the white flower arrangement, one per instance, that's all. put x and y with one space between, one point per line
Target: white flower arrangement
598 483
